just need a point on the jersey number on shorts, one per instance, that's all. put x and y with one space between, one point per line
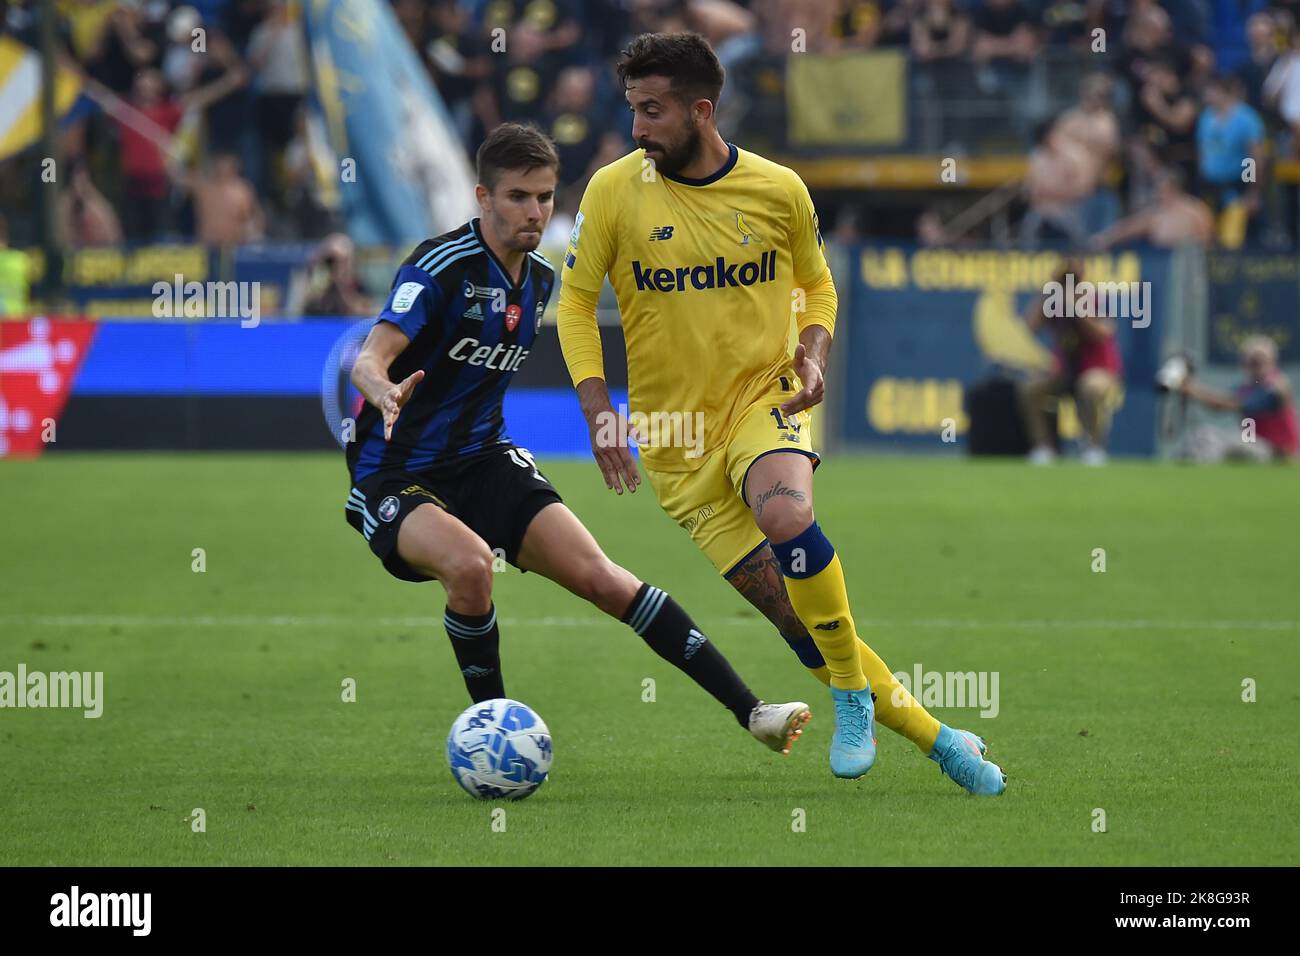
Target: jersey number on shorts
784 423
524 459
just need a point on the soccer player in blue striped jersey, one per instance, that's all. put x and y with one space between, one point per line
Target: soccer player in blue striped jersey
439 490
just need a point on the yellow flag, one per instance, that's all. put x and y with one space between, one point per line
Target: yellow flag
20 95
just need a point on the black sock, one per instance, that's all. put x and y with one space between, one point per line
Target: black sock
477 645
672 635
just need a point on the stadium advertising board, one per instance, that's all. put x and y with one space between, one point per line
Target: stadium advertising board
926 324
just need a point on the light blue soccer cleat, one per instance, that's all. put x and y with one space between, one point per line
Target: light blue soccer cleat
853 747
960 755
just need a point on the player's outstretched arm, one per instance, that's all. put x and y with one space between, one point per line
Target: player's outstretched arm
610 434
370 373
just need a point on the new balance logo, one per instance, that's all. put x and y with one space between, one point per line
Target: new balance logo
828 626
661 232
474 312
694 641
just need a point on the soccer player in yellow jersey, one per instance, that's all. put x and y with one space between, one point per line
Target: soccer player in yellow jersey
714 253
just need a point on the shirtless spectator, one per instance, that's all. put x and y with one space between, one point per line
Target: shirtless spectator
1092 124
1173 219
88 219
1060 177
226 210
1093 127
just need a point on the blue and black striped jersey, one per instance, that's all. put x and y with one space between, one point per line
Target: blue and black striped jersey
470 329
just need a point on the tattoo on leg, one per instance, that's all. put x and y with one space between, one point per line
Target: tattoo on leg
759 580
774 491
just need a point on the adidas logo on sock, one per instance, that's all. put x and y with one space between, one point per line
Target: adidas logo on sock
694 641
828 626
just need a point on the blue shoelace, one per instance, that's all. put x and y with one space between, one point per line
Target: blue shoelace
850 720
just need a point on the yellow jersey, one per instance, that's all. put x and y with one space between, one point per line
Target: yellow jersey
710 275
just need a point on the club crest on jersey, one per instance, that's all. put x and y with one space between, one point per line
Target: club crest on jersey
388 508
513 314
746 234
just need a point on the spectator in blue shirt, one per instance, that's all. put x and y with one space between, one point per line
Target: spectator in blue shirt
1228 134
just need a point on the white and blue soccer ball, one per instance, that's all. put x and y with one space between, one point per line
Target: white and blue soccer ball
499 750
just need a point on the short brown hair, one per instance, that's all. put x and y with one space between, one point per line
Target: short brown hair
685 58
514 146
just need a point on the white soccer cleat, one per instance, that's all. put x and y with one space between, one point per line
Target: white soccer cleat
1042 455
778 726
1094 457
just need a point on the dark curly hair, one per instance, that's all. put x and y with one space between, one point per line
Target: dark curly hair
685 58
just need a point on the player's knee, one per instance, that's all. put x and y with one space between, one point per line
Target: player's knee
607 586
467 576
784 518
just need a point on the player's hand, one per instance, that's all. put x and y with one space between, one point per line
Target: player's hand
395 398
814 387
610 435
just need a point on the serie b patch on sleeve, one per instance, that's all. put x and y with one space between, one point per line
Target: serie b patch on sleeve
405 295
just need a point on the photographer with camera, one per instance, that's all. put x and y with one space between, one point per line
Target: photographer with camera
334 287
1263 400
1087 365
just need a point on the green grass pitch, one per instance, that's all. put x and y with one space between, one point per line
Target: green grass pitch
1119 691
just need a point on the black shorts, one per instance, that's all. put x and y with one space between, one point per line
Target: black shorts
495 493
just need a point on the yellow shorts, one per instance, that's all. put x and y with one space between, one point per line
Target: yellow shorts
709 502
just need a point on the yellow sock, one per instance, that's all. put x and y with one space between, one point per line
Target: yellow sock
822 603
895 707
814 580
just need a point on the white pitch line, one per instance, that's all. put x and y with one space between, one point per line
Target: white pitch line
329 620
1101 625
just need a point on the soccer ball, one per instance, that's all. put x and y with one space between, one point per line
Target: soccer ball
499 750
